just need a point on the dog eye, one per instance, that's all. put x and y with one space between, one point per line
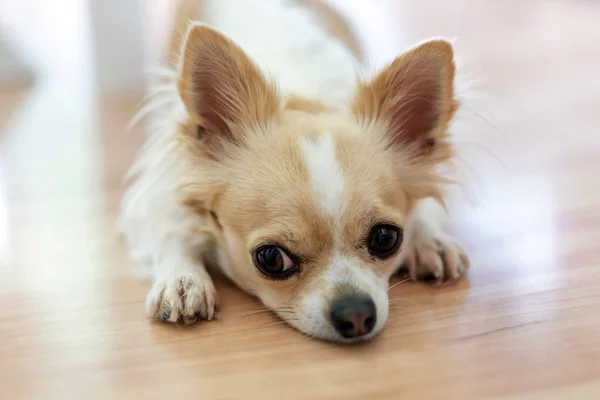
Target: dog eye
384 240
274 262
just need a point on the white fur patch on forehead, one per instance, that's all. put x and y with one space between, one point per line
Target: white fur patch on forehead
324 171
344 270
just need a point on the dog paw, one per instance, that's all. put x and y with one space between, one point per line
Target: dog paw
184 300
435 257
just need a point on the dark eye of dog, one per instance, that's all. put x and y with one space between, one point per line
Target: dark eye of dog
274 262
384 240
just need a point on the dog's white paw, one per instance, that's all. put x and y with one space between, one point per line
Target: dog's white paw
183 299
434 256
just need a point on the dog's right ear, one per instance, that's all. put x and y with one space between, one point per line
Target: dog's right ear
413 97
222 89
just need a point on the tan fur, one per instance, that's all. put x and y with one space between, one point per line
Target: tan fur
311 106
413 96
222 89
276 205
288 217
246 178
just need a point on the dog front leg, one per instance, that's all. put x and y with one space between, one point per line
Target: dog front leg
430 250
182 291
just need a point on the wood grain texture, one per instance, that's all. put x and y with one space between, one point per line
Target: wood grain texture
523 325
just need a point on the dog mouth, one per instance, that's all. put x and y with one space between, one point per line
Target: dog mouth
345 320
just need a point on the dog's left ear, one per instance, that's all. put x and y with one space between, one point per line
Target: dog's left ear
223 90
412 98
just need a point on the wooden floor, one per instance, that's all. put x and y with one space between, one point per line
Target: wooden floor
525 324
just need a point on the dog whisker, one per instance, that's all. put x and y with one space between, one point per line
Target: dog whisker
394 301
269 312
268 309
401 309
263 309
397 283
280 322
398 315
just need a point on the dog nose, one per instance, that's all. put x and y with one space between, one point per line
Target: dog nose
353 317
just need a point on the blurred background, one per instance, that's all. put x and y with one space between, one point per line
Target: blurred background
73 72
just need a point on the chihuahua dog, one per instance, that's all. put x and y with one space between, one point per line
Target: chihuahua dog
304 185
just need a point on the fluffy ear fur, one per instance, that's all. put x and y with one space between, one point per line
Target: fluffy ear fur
413 97
223 90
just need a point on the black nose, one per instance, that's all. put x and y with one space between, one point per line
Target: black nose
353 316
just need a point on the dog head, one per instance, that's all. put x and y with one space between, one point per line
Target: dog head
309 202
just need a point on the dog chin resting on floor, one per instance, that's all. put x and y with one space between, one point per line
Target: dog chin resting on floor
305 186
